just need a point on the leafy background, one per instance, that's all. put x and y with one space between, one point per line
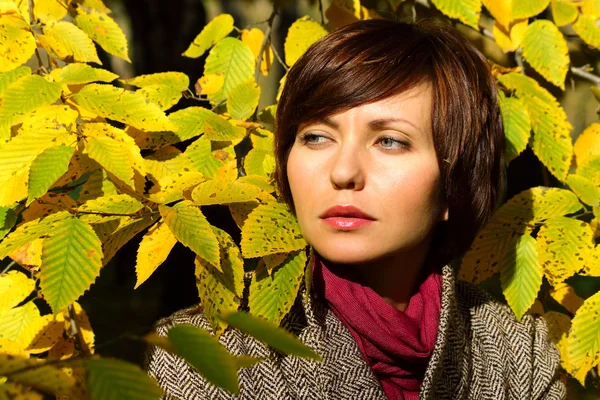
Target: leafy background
112 165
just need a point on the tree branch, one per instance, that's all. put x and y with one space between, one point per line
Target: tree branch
266 39
582 72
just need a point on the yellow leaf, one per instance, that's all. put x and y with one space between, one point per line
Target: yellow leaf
210 84
343 12
565 246
564 12
78 73
17 44
153 251
15 286
127 229
501 10
507 11
12 348
46 333
466 11
528 8
587 144
545 49
29 255
28 95
303 33
214 31
220 289
590 8
49 10
558 325
48 204
63 40
14 189
177 80
220 191
512 41
254 38
14 322
588 31
582 344
62 349
122 105
565 295
104 31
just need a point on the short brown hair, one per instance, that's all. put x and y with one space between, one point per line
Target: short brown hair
372 60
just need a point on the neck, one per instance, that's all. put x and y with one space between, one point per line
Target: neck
393 277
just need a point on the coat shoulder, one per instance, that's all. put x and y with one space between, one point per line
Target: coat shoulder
511 355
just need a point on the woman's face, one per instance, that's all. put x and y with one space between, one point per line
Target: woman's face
379 158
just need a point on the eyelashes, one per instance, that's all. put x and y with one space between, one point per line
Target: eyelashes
390 143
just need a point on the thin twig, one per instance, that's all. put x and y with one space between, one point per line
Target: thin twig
321 11
8 267
76 332
278 57
582 72
266 39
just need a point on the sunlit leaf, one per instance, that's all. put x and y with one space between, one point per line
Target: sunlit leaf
153 251
109 378
17 44
564 12
214 31
545 49
243 100
466 11
517 126
104 31
63 40
46 168
583 342
301 35
15 286
588 31
78 73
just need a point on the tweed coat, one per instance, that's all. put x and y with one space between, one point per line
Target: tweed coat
481 352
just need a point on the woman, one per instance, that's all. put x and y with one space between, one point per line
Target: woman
389 147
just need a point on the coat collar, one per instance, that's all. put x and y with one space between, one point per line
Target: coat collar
343 364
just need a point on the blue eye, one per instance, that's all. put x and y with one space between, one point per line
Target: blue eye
311 138
388 142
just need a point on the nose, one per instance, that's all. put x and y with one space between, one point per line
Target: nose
347 170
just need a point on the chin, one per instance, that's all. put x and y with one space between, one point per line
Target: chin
346 253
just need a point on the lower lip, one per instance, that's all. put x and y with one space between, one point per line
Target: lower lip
347 223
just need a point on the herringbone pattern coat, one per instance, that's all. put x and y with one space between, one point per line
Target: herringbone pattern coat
481 352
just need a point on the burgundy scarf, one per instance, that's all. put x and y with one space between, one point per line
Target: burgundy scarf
397 345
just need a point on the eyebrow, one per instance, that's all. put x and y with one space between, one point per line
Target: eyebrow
375 125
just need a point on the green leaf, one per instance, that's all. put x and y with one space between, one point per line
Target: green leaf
163 96
6 78
301 35
220 191
191 228
199 154
109 378
545 49
564 12
189 122
585 189
522 9
234 60
78 73
219 129
521 276
490 251
551 141
64 40
204 352
113 157
14 322
46 168
271 228
214 31
243 100
122 105
517 126
588 31
220 291
71 261
112 204
273 294
565 246
25 95
583 342
590 169
8 218
30 231
270 334
177 80
466 11
104 31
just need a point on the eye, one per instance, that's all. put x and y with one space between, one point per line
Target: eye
390 143
312 138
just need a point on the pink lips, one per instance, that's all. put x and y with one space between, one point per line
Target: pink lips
346 217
